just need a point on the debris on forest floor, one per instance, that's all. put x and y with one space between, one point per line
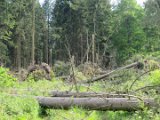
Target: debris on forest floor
38 72
136 64
93 101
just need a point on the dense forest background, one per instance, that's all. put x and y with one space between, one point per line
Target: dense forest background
88 30
79 60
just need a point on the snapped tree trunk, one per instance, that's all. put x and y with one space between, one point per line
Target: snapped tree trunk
116 70
126 104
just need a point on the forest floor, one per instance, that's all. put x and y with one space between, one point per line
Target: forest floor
27 108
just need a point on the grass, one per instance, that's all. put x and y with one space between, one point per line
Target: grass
27 108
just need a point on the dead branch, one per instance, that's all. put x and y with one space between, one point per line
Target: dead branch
107 74
147 87
138 79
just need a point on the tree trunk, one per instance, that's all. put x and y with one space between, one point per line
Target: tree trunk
50 57
19 53
125 104
87 47
88 94
81 37
116 70
33 32
46 51
93 48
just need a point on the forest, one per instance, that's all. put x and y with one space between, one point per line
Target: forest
79 60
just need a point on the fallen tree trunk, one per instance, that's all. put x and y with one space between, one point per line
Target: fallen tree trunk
88 94
94 103
116 70
114 104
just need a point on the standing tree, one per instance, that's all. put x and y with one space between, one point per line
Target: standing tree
129 37
33 32
79 25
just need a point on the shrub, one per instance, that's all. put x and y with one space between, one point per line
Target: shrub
61 68
18 108
6 79
155 77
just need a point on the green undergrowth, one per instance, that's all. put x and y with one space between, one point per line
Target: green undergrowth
18 108
17 103
6 79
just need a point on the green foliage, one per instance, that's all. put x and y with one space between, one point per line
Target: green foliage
18 108
6 79
151 22
61 68
4 53
72 114
155 77
152 65
73 20
40 75
152 11
26 108
121 31
129 37
80 76
137 115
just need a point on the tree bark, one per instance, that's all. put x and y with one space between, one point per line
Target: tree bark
33 32
87 52
50 57
81 37
93 48
125 104
19 53
88 94
46 51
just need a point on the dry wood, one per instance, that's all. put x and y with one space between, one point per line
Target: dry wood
93 48
88 94
126 104
107 74
33 33
43 66
148 87
63 77
93 103
72 73
138 79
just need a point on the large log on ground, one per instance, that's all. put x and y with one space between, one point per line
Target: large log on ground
88 94
95 103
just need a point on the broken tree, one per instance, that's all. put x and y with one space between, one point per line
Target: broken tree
136 64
